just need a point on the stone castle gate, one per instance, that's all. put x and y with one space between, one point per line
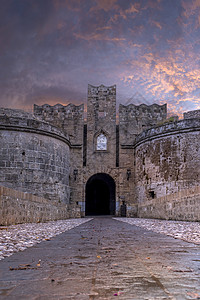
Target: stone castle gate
100 195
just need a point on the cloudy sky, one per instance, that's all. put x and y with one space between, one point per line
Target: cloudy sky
51 49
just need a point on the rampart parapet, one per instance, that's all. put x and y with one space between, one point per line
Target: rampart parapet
171 128
18 120
192 114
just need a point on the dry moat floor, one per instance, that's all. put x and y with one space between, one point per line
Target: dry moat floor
101 258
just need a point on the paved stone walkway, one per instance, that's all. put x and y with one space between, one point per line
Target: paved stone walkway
104 259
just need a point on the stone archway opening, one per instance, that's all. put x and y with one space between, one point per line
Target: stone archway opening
100 195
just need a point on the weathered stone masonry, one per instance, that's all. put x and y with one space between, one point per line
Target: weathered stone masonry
167 164
34 158
19 207
146 162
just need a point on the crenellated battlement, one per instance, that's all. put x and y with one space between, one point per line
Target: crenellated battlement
102 89
133 119
47 111
153 112
69 118
193 114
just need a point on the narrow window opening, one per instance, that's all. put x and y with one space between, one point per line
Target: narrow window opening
85 145
152 194
101 142
117 145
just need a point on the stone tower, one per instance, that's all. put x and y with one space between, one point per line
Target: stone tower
100 149
101 127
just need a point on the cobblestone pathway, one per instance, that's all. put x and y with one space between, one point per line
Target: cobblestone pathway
186 231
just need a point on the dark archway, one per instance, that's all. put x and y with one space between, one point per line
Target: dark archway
100 195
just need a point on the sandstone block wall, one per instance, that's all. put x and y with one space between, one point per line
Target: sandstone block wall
34 156
167 162
184 205
192 114
101 118
134 119
18 207
69 118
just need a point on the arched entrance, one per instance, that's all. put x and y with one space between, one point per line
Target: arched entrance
100 195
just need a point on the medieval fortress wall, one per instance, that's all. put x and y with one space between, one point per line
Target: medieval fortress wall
134 119
192 114
69 119
34 159
19 207
34 156
167 162
53 154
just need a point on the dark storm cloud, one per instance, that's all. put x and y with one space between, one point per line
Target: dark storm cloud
55 94
51 49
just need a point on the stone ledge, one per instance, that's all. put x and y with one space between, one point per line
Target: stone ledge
183 205
28 123
183 126
19 207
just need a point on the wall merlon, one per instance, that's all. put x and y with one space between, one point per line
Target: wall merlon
152 112
58 108
192 114
94 91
